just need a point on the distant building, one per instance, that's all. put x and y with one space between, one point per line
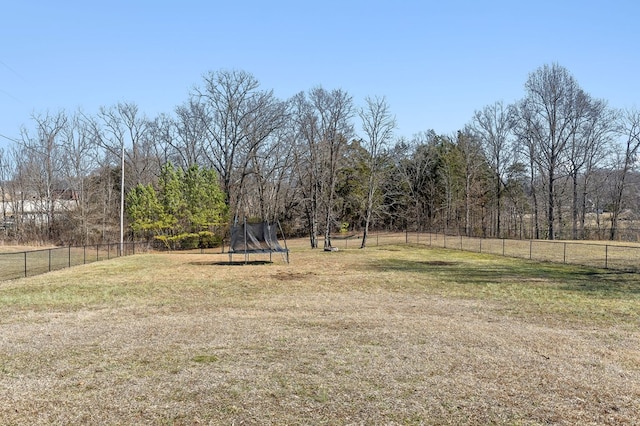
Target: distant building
31 208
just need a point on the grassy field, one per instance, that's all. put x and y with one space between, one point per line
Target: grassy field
388 335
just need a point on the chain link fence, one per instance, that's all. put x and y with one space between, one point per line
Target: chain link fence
22 264
617 256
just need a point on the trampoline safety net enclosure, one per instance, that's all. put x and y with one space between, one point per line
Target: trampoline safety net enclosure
247 238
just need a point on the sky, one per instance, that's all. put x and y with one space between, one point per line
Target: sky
435 62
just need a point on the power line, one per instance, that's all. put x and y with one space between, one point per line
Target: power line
9 139
10 95
16 73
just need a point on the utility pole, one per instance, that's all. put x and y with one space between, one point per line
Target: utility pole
122 203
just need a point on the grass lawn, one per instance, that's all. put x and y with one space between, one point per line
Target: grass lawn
388 335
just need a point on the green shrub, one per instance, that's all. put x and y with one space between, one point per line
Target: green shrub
190 241
209 240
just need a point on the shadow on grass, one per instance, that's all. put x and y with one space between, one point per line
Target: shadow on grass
572 278
227 263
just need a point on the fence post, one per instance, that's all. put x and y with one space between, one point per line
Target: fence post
406 236
530 248
25 264
564 255
49 259
69 255
503 246
606 256
84 255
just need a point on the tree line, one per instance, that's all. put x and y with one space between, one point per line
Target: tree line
557 163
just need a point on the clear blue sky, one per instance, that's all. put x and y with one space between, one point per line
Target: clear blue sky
435 61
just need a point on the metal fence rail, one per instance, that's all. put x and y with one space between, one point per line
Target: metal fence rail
609 256
22 264
622 257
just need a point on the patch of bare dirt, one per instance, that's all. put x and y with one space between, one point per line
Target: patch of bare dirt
291 276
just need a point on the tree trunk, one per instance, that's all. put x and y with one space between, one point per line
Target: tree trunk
367 219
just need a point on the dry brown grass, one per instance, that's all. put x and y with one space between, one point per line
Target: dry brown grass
16 249
389 335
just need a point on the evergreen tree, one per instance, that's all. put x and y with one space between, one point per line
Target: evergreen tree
182 214
145 211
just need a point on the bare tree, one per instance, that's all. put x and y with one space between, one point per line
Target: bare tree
324 126
271 167
548 120
627 159
44 161
415 183
588 147
105 179
525 129
162 133
126 137
80 147
307 164
237 118
335 109
15 187
5 176
126 130
378 125
475 169
449 174
492 126
188 140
